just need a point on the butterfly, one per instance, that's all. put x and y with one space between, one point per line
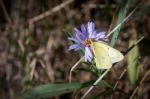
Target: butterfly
105 55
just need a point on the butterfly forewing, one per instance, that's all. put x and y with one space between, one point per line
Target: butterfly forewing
101 56
105 55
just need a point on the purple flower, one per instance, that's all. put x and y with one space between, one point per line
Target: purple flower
83 39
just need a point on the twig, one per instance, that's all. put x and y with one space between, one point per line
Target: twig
131 97
73 67
125 70
134 45
32 66
96 82
5 11
20 43
101 6
49 70
122 74
123 21
47 13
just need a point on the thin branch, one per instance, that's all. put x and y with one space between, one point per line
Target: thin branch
125 70
122 74
134 45
101 6
123 21
50 12
134 92
96 82
5 12
73 67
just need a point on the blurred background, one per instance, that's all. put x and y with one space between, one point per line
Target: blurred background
34 46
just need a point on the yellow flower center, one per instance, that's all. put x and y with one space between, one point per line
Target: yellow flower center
87 42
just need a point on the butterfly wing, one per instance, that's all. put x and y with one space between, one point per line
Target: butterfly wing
114 54
101 56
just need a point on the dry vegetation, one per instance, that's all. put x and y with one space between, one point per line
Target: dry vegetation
34 48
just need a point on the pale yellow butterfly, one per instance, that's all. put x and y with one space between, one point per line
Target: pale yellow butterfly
105 55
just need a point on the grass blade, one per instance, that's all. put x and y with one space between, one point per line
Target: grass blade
121 17
49 90
133 69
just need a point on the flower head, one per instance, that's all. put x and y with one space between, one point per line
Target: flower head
83 39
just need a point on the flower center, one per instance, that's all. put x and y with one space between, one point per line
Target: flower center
87 42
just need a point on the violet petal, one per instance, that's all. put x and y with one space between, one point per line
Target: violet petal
88 54
93 34
74 39
100 35
84 31
74 46
90 28
79 34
